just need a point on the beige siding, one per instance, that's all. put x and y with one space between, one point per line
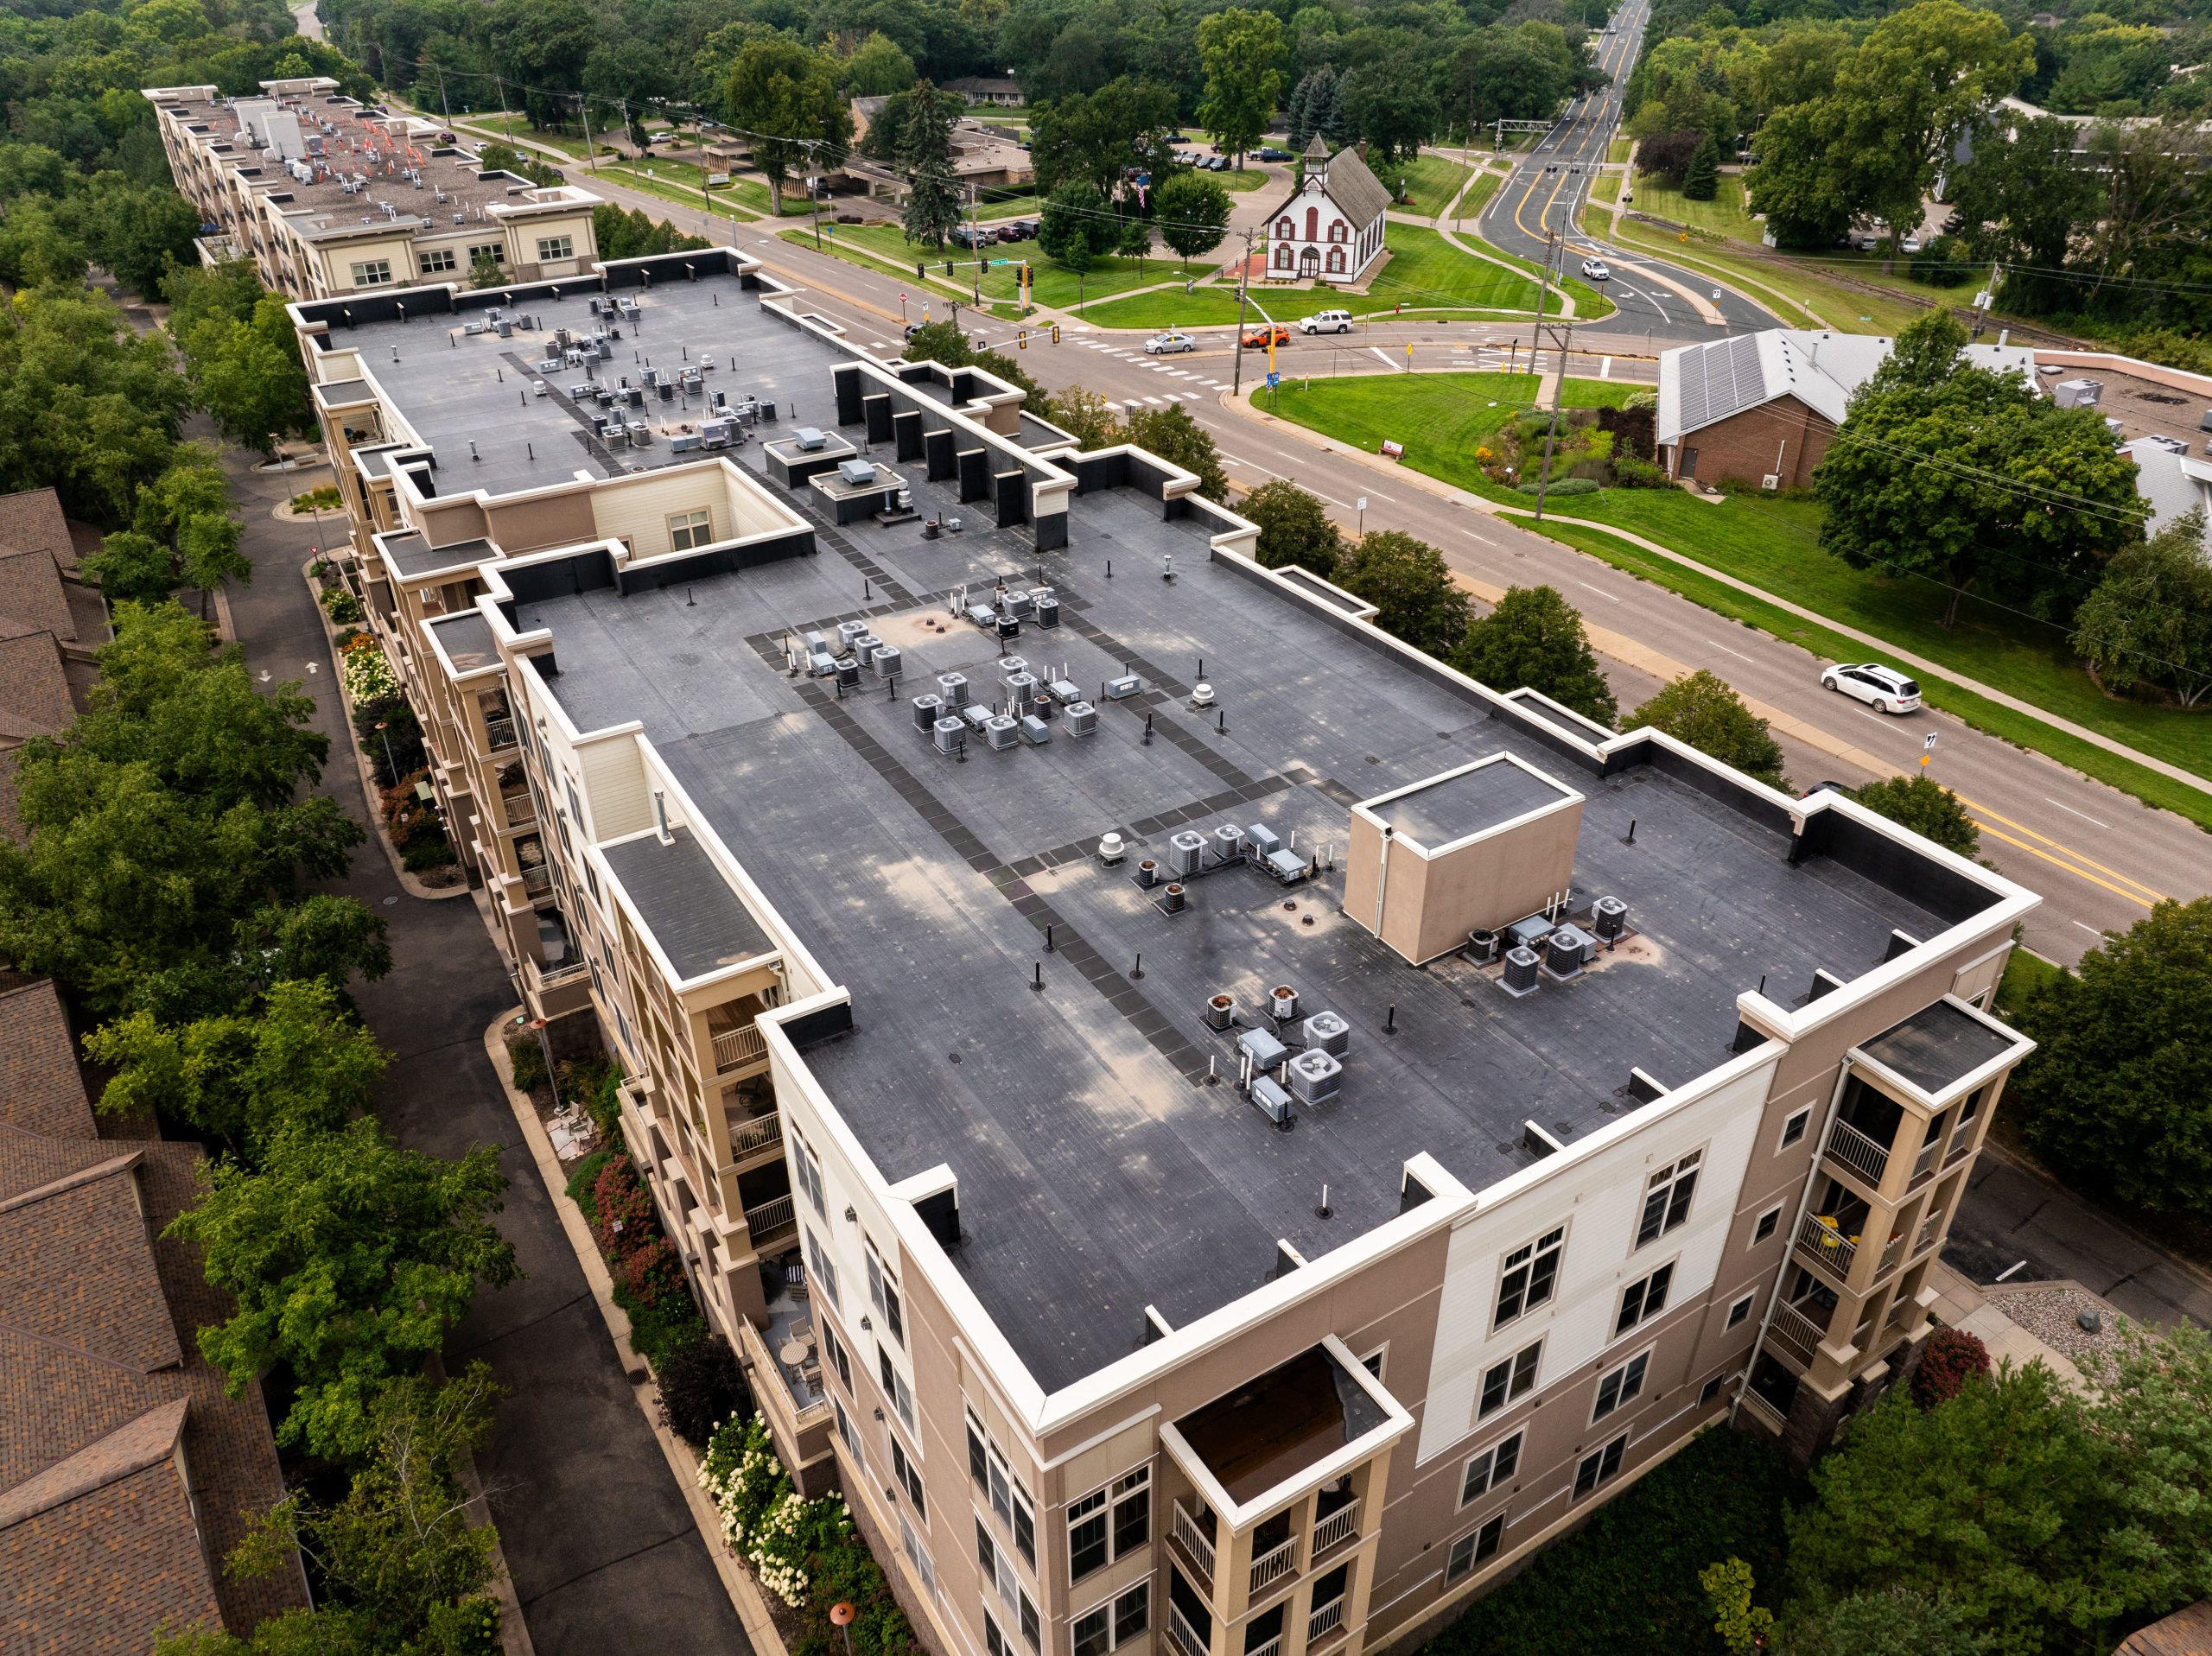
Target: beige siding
614 782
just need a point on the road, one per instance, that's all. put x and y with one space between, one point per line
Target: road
1542 200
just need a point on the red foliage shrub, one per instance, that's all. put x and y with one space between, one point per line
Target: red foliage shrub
627 1221
1951 1359
654 1271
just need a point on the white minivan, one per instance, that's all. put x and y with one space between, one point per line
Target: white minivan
1884 688
1326 321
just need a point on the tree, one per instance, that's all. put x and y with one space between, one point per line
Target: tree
1806 202
879 68
1097 137
1240 52
2116 1093
1742 1625
778 86
1294 528
1310 102
1175 437
1894 1622
2149 622
1078 227
349 1257
1702 172
924 150
302 1060
1086 416
1950 1360
1960 475
2021 197
1925 806
1411 587
1533 637
1701 709
132 568
1390 104
484 272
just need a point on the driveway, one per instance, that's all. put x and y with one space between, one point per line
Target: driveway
601 1547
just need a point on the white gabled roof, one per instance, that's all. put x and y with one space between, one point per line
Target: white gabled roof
2170 482
1702 384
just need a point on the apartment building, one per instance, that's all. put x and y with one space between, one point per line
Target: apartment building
328 195
1244 1133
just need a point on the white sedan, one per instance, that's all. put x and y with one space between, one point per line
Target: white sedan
1883 689
1165 345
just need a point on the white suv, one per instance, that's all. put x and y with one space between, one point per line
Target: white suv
1884 688
1326 321
1595 270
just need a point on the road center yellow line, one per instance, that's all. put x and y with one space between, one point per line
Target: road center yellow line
2067 850
2056 862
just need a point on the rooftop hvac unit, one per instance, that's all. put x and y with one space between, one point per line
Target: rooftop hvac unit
953 687
1081 719
950 734
1283 1003
1229 842
816 643
1063 692
1221 1011
886 660
1019 603
1120 688
848 673
821 664
928 709
848 631
2078 393
981 615
1035 731
1048 612
1002 733
977 714
1482 945
854 471
1527 934
1520 970
1329 1032
1567 949
1021 690
1186 852
1315 1077
809 439
1264 1050
1010 665
1609 918
1147 873
1009 627
1264 841
864 649
1172 901
1271 1100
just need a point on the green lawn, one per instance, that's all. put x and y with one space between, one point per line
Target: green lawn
1616 151
1801 297
1238 182
1773 543
1429 183
1054 285
1477 197
1724 215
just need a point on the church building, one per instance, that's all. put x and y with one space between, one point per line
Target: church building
1331 229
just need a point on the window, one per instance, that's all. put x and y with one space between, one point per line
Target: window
884 1292
1099 1629
1285 229
689 529
1471 1549
1641 1301
372 273
1623 1384
1508 1381
1372 1362
1009 1500
556 247
1711 1391
1596 1468
916 1557
1493 1467
1739 1310
850 1434
809 1171
1667 1198
1132 1511
835 1348
993 1640
998 1570
1529 1275
1109 1522
895 1387
909 1480
819 1268
1767 1221
1794 1128
435 260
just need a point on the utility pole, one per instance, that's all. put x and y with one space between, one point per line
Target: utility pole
583 114
1244 291
444 108
813 197
1561 331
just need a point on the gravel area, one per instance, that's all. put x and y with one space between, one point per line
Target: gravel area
2049 1313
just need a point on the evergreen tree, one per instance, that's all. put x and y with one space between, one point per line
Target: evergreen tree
1701 178
1302 95
925 149
1329 119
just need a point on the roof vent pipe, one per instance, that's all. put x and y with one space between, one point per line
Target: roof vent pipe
660 816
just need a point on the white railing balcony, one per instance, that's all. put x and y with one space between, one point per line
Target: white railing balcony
1797 1333
755 1133
1929 1234
770 1217
1185 1636
521 809
499 733
1274 1565
1324 1621
1273 1647
1192 1540
1855 1150
1960 1146
735 1048
1923 1165
1339 1525
536 878
1826 1246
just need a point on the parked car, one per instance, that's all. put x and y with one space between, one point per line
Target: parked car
1219 164
1884 688
1269 152
1259 339
1326 321
1170 344
978 236
1595 270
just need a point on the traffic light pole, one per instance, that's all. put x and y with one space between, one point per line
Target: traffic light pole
1243 292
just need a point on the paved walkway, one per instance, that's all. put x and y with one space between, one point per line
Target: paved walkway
598 1538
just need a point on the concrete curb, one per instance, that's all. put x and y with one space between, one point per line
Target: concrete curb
682 1465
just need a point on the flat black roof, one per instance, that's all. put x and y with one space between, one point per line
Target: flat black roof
1938 1045
466 640
411 555
699 922
1451 808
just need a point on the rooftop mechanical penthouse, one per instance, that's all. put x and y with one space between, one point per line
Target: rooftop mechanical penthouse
1215 1130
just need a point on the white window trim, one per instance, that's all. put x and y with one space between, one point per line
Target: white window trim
1111 1605
1743 1306
1773 1213
1512 1398
1673 1173
1645 1315
1621 1368
1786 1142
1535 1245
1490 1453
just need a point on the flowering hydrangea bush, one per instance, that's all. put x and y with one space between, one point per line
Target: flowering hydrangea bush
765 1520
367 671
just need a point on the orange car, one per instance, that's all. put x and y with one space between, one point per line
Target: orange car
1259 339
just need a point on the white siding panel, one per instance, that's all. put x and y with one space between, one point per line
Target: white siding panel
615 787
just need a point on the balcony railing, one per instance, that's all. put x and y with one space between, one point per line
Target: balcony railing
1923 1166
755 1132
1185 1636
1828 1247
1273 1647
1855 1150
1274 1565
1192 1540
735 1048
1797 1333
536 878
1960 1146
770 1218
1329 1619
1340 1524
500 732
1928 1233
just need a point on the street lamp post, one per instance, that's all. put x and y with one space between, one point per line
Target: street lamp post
842 1614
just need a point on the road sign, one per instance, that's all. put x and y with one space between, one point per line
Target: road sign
1929 746
1362 503
1273 378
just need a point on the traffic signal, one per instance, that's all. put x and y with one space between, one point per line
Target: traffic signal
1022 337
920 274
1056 333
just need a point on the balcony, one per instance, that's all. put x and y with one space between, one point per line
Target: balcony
499 734
734 1049
789 1325
536 878
1827 1245
1336 1527
520 809
1960 1146
770 1219
1326 1623
1852 1149
1796 1334
1192 1540
1272 1565
1185 1636
750 1135
1273 1647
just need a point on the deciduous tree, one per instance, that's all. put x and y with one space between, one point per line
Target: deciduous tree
1411 586
2150 620
1700 708
782 89
1925 806
1534 638
1181 441
1295 527
1241 52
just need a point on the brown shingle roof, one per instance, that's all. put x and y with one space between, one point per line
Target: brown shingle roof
2185 1633
41 1089
31 592
147 1441
34 686
32 522
77 1265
